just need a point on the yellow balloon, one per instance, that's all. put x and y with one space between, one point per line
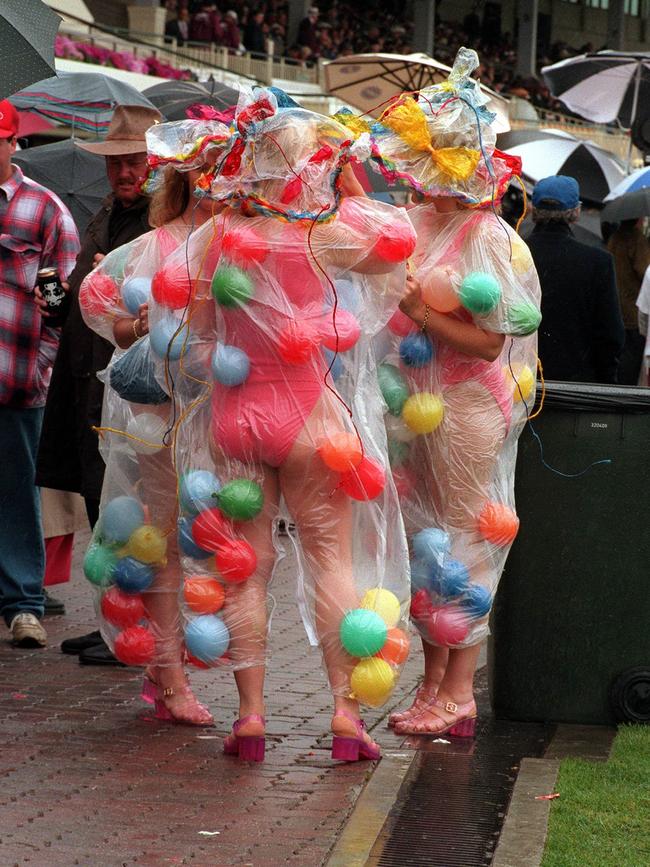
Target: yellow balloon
423 412
521 260
147 544
384 603
372 681
523 384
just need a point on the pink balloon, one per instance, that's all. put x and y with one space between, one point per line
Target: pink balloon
347 328
438 291
448 626
400 324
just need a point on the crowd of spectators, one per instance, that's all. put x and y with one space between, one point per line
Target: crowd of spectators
337 29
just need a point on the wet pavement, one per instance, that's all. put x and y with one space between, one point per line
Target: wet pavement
90 778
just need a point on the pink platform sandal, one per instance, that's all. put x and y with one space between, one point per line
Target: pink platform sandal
249 748
349 748
464 726
191 711
422 698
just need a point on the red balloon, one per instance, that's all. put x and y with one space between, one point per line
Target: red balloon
197 663
347 328
244 246
400 324
98 293
448 626
421 605
298 343
122 609
210 529
405 480
395 243
235 561
172 287
366 481
498 523
135 646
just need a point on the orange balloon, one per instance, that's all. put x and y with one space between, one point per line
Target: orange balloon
438 290
498 523
341 452
203 595
396 648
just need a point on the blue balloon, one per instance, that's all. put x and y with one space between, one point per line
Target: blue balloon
477 600
132 576
163 342
186 541
416 350
451 579
420 576
431 544
337 367
207 638
119 518
135 292
196 490
230 366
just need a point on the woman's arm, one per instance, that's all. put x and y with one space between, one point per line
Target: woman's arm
463 336
127 330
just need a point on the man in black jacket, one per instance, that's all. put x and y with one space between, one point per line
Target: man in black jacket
581 335
68 458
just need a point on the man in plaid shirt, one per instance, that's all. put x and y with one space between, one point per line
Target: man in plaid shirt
36 230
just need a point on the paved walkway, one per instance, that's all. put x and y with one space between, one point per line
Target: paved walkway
89 778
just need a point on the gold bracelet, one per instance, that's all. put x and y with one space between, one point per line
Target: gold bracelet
427 310
136 322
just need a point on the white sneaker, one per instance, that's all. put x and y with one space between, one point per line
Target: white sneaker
26 631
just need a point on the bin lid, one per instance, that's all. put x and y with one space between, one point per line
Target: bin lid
591 396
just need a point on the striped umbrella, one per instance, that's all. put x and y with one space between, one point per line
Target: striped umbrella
82 100
606 87
554 152
638 180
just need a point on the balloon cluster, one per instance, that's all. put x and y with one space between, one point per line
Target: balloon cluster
122 561
362 477
370 633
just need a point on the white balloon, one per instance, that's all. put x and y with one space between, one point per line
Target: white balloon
150 427
397 429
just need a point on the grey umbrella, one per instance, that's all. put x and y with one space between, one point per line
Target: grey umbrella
172 100
27 32
630 206
76 176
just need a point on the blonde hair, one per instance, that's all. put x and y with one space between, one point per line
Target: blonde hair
171 199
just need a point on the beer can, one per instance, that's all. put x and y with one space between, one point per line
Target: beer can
55 296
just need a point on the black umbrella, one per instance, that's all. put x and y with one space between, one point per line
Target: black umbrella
76 176
27 32
170 91
630 206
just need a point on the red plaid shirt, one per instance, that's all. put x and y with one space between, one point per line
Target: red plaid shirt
36 231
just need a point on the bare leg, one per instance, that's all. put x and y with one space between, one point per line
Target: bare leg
435 664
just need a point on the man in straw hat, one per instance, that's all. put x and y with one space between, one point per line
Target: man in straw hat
68 457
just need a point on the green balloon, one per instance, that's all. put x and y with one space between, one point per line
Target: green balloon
98 565
393 387
523 318
480 293
240 500
398 452
231 286
363 632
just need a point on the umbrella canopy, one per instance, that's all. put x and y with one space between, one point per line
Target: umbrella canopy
630 206
77 177
83 100
636 181
370 81
27 32
551 152
172 90
604 87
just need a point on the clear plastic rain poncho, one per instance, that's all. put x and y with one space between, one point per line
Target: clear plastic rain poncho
453 420
261 330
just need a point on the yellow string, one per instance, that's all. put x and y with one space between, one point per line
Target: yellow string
523 213
101 430
543 395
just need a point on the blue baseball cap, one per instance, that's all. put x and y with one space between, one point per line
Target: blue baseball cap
557 193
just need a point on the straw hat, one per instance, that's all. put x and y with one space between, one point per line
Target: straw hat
126 131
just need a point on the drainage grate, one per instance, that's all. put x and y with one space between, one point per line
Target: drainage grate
450 808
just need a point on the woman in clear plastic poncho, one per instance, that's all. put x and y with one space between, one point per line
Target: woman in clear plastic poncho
133 559
458 368
285 285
